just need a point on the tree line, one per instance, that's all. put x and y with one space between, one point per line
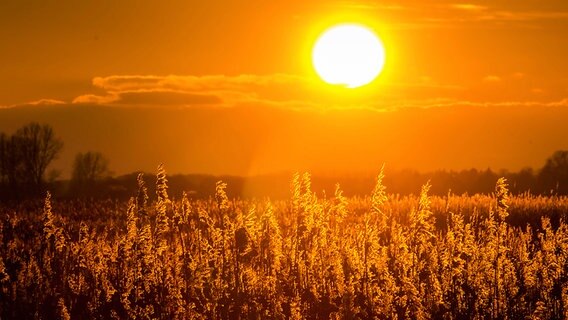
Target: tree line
26 156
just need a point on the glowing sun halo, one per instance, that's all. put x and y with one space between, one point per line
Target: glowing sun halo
348 54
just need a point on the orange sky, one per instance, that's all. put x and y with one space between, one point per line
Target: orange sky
227 87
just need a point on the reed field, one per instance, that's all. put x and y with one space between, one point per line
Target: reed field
314 256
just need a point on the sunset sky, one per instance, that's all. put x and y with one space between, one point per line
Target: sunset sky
228 87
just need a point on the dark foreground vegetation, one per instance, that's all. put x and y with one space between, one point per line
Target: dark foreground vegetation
312 256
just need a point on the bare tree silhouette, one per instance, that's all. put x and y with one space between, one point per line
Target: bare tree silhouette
25 156
88 169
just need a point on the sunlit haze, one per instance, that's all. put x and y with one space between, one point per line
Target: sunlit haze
241 87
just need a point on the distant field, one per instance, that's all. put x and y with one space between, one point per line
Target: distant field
312 256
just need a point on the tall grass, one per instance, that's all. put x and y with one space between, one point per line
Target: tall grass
313 257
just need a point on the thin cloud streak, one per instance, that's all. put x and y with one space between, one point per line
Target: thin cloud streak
458 15
282 91
468 7
192 83
492 78
563 103
277 89
40 102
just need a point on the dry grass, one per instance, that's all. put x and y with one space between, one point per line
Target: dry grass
385 257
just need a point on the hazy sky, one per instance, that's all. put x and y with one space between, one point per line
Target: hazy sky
228 87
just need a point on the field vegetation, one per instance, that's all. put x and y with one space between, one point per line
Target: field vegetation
314 256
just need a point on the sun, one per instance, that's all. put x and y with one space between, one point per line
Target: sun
348 54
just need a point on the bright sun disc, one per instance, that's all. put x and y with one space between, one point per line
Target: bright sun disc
348 54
